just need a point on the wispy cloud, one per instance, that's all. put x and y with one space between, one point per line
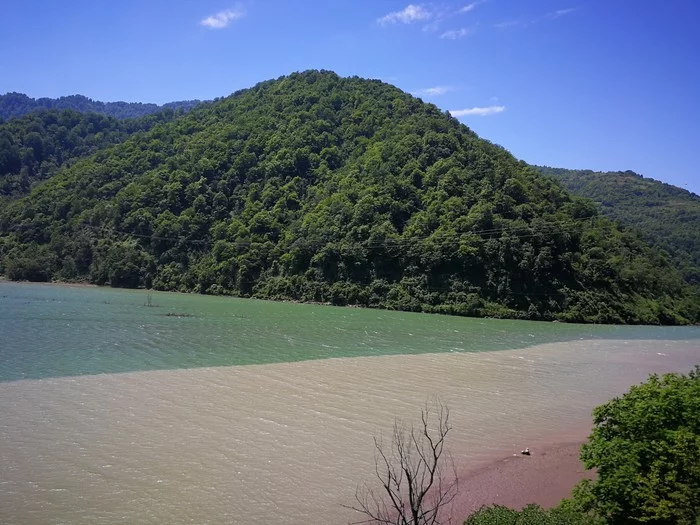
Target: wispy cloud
433 17
455 34
524 22
562 12
477 111
433 91
222 19
469 7
411 13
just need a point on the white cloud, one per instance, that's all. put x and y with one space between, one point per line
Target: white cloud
562 12
477 111
433 91
467 8
525 22
455 34
411 13
222 18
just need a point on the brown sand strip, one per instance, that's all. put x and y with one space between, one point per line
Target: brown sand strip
545 477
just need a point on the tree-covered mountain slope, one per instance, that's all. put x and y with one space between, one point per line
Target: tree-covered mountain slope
34 147
665 215
19 104
314 187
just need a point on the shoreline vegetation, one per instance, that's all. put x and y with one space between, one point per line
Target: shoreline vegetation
83 283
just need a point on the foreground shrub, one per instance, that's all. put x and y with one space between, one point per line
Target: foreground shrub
646 448
530 515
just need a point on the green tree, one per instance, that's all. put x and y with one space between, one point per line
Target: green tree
646 449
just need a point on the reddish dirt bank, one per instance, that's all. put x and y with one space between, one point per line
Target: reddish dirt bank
544 477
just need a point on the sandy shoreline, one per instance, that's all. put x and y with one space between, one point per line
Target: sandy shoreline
544 478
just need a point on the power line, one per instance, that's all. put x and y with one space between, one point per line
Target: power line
561 226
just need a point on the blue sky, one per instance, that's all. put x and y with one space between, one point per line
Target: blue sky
599 84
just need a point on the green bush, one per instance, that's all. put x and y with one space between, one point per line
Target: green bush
646 449
530 515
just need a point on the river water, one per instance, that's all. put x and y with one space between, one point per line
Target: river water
117 407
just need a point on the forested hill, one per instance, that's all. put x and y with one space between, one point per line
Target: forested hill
665 215
319 188
34 147
19 104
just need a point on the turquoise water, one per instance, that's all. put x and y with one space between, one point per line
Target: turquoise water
54 331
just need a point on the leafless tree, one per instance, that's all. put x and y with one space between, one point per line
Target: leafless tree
417 476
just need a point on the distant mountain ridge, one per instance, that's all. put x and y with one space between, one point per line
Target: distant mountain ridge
35 146
665 215
18 104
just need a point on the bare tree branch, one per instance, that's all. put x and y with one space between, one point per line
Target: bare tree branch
411 474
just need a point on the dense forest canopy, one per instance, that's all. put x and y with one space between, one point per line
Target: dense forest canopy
666 215
314 187
33 147
19 104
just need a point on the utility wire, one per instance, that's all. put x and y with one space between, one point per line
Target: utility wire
562 226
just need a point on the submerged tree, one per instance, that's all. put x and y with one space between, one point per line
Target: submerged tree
416 475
